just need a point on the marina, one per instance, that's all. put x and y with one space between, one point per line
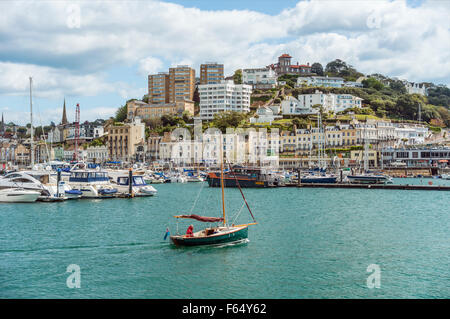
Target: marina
309 243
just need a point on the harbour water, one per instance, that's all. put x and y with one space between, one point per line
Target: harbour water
309 243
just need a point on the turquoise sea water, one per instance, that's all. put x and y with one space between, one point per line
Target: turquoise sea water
309 243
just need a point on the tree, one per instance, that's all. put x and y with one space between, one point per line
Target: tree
407 107
317 68
22 131
121 113
373 83
223 120
237 77
398 86
336 66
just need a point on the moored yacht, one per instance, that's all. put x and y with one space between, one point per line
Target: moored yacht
92 184
18 195
138 186
41 181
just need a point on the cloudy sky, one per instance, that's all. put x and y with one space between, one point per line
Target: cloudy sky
99 53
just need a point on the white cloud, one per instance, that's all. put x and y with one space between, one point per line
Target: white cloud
403 41
48 82
150 65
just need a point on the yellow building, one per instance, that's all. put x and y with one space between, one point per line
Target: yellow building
122 139
149 111
348 135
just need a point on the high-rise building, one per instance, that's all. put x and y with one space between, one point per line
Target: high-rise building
158 88
223 97
211 73
181 83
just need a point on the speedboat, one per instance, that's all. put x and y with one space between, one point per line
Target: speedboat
41 181
92 184
138 186
18 195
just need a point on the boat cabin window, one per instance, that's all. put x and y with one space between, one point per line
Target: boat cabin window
22 180
13 175
138 180
122 180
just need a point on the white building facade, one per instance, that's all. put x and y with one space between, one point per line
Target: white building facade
324 81
223 97
260 78
304 103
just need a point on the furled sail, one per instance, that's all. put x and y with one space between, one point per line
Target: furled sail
202 218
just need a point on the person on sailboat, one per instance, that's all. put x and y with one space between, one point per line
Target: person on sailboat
190 231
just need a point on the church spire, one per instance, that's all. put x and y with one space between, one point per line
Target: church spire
64 116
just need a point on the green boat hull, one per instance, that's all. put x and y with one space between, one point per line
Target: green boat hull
228 237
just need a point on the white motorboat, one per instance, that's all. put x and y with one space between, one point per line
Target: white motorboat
18 195
152 179
178 178
92 184
42 181
194 178
138 186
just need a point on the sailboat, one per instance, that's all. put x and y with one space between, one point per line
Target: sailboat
318 175
366 177
218 234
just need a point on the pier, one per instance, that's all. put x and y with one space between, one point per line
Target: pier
374 186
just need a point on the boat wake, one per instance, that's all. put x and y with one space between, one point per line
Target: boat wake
233 243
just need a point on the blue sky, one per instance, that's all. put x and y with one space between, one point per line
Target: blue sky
99 53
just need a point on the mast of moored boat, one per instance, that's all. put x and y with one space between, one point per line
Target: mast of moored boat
32 133
221 183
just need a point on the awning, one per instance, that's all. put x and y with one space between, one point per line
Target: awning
202 218
443 161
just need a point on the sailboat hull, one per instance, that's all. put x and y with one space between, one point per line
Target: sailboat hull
234 234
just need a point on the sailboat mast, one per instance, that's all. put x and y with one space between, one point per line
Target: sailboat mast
221 182
31 119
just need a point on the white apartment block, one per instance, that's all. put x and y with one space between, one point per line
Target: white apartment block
415 88
260 78
223 97
304 103
346 101
324 81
